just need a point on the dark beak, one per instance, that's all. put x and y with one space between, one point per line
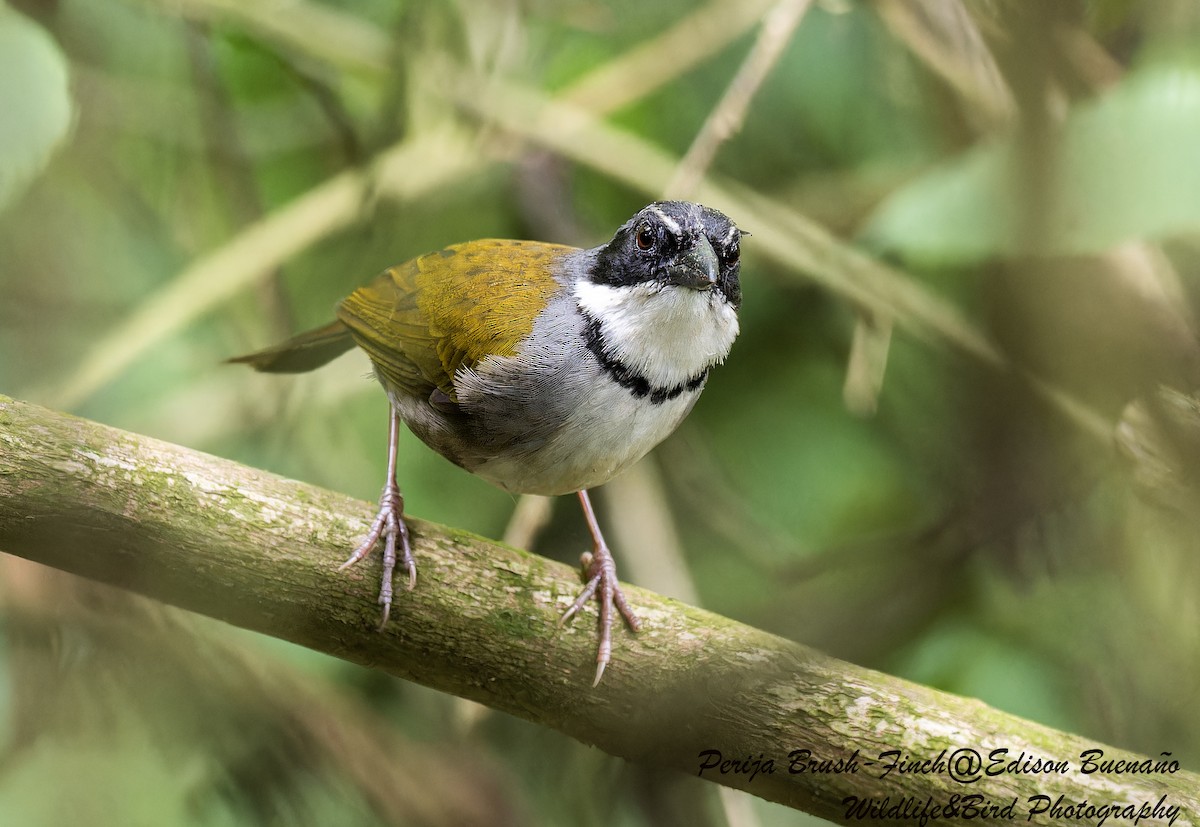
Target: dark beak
697 268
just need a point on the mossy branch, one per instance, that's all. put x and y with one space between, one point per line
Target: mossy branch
262 552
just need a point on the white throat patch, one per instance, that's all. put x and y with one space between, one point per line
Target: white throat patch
667 334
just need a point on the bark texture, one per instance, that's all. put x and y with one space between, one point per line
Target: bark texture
262 552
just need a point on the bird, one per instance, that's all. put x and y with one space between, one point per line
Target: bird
542 368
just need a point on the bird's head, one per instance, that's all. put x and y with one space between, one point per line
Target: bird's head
674 244
661 297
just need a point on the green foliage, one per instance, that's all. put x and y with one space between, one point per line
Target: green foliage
1033 165
1133 150
34 100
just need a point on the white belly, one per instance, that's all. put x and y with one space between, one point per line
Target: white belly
609 431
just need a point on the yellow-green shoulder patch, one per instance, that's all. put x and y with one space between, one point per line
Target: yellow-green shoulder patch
483 299
422 320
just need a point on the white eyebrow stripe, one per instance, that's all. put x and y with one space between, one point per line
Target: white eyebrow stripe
729 235
671 223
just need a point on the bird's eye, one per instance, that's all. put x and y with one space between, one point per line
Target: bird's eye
732 253
645 237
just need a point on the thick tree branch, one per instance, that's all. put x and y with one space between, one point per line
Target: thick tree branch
262 552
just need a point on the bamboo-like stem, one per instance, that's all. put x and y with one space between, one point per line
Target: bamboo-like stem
262 552
726 119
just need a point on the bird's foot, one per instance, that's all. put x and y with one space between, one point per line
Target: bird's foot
600 571
388 525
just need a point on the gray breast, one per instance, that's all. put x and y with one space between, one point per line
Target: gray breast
515 404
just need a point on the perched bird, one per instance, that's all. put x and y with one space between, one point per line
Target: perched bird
542 368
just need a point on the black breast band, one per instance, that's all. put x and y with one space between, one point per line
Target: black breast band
627 377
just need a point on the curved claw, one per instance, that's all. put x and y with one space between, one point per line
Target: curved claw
601 573
390 527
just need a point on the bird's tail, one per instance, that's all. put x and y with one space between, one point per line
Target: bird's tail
303 352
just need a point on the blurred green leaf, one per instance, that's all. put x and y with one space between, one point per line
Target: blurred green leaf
1126 166
958 656
34 99
111 781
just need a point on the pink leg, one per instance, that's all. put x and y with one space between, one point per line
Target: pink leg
389 524
601 572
